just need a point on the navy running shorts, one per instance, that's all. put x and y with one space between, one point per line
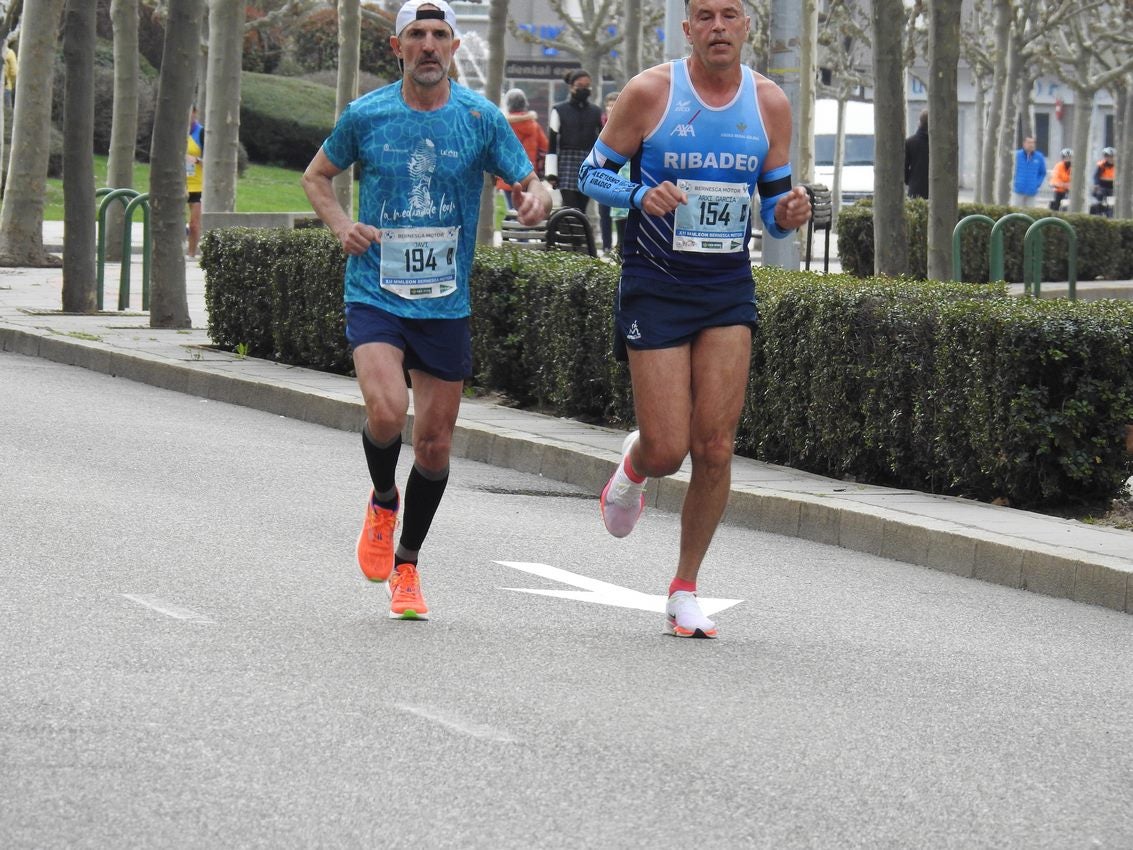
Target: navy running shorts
655 313
440 347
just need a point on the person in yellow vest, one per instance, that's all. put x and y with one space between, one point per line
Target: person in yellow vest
194 177
9 76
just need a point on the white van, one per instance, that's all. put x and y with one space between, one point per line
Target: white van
857 164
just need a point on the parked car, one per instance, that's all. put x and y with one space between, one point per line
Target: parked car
857 161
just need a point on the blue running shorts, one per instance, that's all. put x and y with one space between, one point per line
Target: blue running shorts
440 347
654 313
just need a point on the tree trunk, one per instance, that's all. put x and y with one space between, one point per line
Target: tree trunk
990 153
79 282
124 123
808 63
943 140
1008 121
633 39
839 159
200 94
349 47
1082 169
890 232
168 302
222 118
497 34
1026 104
981 133
1122 182
21 219
3 120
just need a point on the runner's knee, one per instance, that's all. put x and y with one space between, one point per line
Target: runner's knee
431 451
713 451
658 460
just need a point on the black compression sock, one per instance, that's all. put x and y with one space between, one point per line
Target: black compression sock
382 462
423 494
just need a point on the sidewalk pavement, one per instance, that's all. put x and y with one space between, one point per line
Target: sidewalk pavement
1020 549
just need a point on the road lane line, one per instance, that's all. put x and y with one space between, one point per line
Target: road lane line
458 724
167 608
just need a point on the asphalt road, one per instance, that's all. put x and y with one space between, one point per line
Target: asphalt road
189 657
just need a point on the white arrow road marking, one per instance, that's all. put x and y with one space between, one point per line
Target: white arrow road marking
604 593
167 608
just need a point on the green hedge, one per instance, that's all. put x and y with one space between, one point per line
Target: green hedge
542 333
945 388
277 294
1105 246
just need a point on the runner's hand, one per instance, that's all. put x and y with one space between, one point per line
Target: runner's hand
663 198
530 207
793 209
358 238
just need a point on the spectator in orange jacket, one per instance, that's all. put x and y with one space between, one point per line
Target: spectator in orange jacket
525 125
1060 179
1103 176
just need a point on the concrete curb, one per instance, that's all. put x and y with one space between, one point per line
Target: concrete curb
997 545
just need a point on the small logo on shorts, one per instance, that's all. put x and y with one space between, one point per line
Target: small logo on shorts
634 331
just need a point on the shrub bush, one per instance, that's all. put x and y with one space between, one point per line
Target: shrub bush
316 44
941 387
239 265
284 120
103 73
1105 246
263 45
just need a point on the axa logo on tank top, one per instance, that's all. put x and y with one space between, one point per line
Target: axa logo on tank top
711 159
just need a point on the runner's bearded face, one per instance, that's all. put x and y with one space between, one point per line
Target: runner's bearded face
426 49
717 30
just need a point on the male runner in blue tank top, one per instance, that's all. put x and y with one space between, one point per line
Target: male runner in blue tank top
702 135
423 143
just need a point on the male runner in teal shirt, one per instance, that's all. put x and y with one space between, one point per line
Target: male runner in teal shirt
423 144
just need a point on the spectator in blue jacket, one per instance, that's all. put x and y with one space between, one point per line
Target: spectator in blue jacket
1030 172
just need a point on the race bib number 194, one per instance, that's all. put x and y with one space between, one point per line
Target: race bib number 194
419 262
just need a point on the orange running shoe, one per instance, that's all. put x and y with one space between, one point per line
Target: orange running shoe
375 543
406 601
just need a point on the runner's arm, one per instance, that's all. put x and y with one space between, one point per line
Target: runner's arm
355 237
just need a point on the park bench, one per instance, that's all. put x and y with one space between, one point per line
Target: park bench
566 229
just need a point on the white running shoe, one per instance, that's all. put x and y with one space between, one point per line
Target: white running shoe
622 500
684 618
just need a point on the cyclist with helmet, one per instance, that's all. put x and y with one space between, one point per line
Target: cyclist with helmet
1103 184
1060 179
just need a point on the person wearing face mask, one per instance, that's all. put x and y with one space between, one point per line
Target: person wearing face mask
573 127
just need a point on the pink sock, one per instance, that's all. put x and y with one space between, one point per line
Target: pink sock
631 473
680 584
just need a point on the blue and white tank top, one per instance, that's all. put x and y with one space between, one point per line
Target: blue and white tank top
422 173
715 153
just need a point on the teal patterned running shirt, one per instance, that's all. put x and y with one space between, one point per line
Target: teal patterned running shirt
422 173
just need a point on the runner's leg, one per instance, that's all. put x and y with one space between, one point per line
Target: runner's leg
436 403
721 359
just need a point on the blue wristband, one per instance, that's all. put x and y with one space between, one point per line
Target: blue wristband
773 185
